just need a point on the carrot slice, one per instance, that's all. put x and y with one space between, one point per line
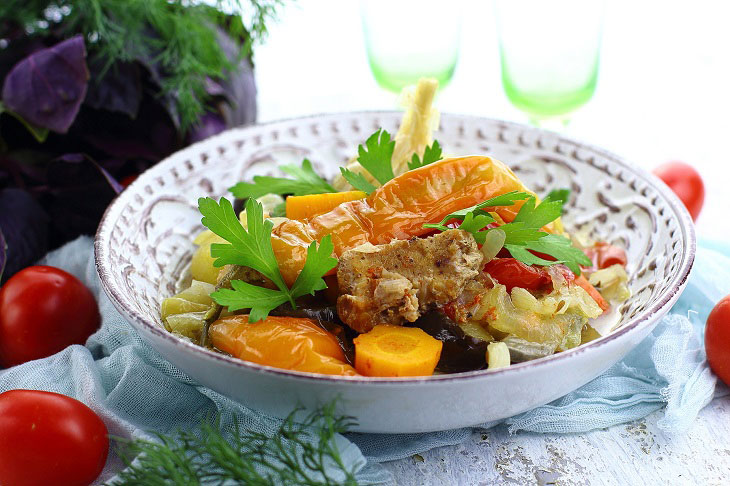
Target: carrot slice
396 351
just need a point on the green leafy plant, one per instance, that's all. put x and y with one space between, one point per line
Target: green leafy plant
94 92
251 247
302 452
305 181
524 235
376 156
177 40
431 154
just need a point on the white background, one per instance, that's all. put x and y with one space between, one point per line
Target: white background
663 89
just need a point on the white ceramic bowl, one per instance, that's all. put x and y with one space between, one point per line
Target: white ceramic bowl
144 244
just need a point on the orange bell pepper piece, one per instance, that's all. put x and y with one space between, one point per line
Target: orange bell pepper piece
398 209
290 343
311 205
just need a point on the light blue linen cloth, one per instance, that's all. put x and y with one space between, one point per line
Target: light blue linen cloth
136 391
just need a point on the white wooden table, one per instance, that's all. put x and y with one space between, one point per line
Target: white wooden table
663 94
637 453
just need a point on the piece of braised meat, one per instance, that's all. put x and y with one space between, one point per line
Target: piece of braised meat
397 282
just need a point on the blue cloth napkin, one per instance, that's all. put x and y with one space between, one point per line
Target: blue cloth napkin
136 391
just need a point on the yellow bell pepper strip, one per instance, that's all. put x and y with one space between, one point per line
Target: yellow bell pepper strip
290 343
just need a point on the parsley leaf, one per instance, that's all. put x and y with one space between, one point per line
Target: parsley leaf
251 247
506 199
537 217
524 234
376 156
246 296
430 155
306 173
319 262
246 247
473 223
558 195
305 181
561 248
357 180
522 254
520 234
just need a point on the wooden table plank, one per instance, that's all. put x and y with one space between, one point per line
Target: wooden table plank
638 453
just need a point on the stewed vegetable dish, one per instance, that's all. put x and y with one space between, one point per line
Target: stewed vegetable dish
408 263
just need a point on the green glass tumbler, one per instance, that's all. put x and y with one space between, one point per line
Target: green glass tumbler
411 39
549 53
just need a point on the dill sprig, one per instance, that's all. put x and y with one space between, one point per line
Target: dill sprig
300 453
176 38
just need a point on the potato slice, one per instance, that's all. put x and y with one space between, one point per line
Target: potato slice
198 292
201 267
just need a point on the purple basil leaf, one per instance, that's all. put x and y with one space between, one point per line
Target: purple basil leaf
16 50
118 89
152 136
24 227
79 190
25 168
47 87
208 125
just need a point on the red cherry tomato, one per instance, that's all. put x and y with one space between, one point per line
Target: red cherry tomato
49 438
513 273
42 311
604 255
717 339
686 183
126 181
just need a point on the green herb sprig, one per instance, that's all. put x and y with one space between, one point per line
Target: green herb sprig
251 247
300 453
376 156
305 181
506 199
181 38
524 234
431 154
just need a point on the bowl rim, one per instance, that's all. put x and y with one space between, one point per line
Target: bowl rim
634 324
